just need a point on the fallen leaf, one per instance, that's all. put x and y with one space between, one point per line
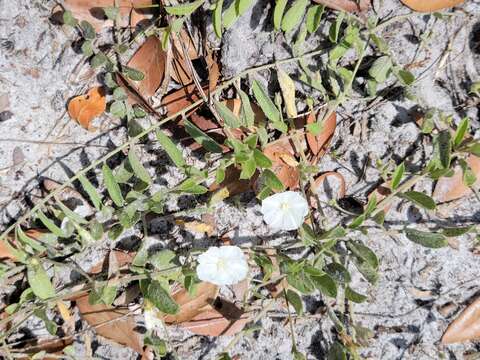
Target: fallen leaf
447 309
150 60
6 251
430 5
180 99
117 327
232 184
192 305
122 259
196 226
277 151
181 70
277 288
453 188
465 327
346 5
222 319
85 108
318 144
316 186
131 12
288 91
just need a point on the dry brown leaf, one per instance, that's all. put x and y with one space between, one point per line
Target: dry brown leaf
232 184
430 5
223 319
118 327
319 143
316 186
150 60
452 188
196 226
85 108
122 259
131 11
276 152
191 306
6 251
347 5
181 70
465 327
277 288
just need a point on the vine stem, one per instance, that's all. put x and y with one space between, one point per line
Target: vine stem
134 139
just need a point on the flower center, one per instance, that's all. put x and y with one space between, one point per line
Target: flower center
221 264
284 206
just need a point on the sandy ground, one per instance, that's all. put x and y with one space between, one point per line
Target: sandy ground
39 72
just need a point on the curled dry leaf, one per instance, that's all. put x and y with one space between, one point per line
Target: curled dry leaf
131 12
150 60
8 245
196 226
381 192
465 327
191 306
224 318
430 5
111 323
453 188
85 108
318 144
316 186
346 5
181 72
281 152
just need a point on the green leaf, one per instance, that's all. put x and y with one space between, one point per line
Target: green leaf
184 9
171 149
314 15
26 240
272 181
200 137
49 224
294 15
248 168
87 48
190 186
461 131
266 104
295 300
325 284
234 11
39 280
474 149
118 109
247 115
230 119
137 167
469 177
354 296
457 231
98 60
111 12
363 253
88 30
133 74
338 272
419 198
69 19
278 13
91 191
217 18
372 204
397 176
73 216
50 325
120 94
427 239
335 28
337 352
261 160
443 149
112 186
380 68
357 221
161 298
405 76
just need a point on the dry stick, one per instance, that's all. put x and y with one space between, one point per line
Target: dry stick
134 139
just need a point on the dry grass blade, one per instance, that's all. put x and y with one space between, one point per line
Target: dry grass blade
131 11
223 319
150 60
191 306
465 327
431 5
453 188
111 323
85 108
346 5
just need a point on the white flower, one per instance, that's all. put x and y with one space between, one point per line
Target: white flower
225 265
284 211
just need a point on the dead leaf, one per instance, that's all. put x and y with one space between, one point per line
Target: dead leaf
430 5
346 5
85 108
117 327
276 152
122 259
465 327
180 99
150 60
6 251
452 188
447 309
196 226
316 186
318 144
277 288
132 12
288 92
191 306
232 185
181 70
222 319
